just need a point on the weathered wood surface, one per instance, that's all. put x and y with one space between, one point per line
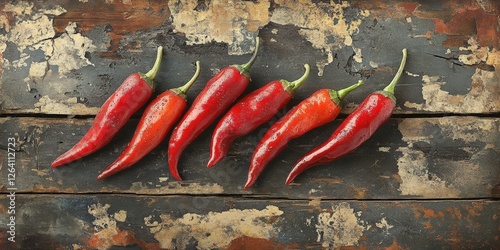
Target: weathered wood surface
430 178
412 158
173 222
53 61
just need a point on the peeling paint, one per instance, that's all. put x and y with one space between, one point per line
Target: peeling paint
241 21
384 225
31 26
33 30
215 229
320 23
107 233
69 106
233 22
478 55
413 165
482 97
69 50
384 149
340 228
176 187
38 70
120 216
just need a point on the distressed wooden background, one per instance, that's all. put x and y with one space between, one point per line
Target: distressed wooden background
429 178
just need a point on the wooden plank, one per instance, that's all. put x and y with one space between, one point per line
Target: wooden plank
445 157
429 178
41 76
181 222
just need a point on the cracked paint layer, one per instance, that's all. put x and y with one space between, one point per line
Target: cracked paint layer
481 98
413 166
69 106
106 232
177 188
237 23
384 225
458 20
324 25
339 228
33 29
233 22
215 229
480 55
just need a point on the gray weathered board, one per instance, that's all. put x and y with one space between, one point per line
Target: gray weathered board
429 178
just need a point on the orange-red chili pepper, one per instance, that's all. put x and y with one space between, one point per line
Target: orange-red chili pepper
316 110
132 94
250 112
360 125
157 120
218 94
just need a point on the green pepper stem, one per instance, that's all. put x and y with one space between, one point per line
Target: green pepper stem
392 84
183 89
343 92
296 84
245 67
152 73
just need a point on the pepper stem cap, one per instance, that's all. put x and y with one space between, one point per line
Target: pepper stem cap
338 95
343 92
390 88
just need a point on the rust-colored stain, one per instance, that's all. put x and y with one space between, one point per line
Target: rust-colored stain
455 212
458 19
470 22
461 19
112 237
395 246
116 237
118 17
422 212
409 7
427 225
359 193
250 243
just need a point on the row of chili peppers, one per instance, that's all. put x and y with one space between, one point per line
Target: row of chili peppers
251 111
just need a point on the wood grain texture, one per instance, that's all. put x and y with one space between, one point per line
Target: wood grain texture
180 222
411 158
429 178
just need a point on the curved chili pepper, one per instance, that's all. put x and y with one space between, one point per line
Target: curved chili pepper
132 94
250 112
218 94
316 110
360 125
157 120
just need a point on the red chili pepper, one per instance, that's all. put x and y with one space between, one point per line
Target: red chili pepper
157 120
132 94
360 125
250 112
318 109
218 94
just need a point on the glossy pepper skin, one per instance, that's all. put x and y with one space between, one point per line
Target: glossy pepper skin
250 112
217 95
157 120
132 94
357 128
318 109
